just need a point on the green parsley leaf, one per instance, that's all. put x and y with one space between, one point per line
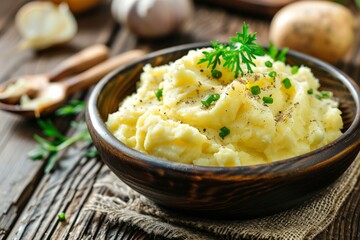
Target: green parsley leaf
241 49
50 148
75 107
49 129
274 53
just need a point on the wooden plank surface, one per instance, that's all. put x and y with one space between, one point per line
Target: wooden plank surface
19 176
31 200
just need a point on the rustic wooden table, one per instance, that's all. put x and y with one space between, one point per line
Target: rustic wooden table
30 200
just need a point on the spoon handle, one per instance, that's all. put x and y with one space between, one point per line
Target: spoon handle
79 62
94 74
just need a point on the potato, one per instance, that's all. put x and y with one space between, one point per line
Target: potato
78 6
322 29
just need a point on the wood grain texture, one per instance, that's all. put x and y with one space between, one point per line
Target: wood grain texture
30 201
19 176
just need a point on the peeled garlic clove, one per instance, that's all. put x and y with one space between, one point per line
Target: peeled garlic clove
152 18
43 24
120 9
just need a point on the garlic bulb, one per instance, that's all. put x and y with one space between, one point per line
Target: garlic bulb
43 24
152 18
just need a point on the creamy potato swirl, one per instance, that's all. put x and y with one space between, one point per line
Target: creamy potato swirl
178 127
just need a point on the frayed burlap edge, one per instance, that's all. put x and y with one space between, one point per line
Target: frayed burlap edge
303 222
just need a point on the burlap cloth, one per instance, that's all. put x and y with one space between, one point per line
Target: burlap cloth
122 204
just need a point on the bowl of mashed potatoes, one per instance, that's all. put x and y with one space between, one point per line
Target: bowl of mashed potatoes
199 140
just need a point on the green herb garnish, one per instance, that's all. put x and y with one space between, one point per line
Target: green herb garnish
75 107
224 131
50 148
159 94
268 100
310 91
210 99
268 64
241 49
272 74
286 82
325 94
318 96
216 73
61 217
274 53
255 90
294 69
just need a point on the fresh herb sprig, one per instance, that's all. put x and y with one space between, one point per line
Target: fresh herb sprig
51 148
74 107
241 49
276 54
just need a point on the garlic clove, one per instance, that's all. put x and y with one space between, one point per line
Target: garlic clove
120 9
43 24
152 18
68 26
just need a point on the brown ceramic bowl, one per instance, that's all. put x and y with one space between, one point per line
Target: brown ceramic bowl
226 192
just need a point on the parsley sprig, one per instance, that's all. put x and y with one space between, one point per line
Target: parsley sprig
241 49
74 107
276 54
52 147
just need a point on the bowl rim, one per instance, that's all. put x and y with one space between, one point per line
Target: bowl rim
302 162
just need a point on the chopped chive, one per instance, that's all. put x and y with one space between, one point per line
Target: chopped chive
318 96
272 74
61 217
215 96
310 91
216 73
255 90
286 82
224 131
325 94
209 99
268 100
158 94
294 69
268 64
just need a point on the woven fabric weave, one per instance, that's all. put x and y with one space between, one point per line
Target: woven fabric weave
121 204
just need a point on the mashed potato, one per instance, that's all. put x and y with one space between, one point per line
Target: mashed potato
178 127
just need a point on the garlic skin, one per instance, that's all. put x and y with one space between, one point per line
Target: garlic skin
44 24
152 18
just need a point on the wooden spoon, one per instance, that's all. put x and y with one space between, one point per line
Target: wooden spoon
12 90
51 97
